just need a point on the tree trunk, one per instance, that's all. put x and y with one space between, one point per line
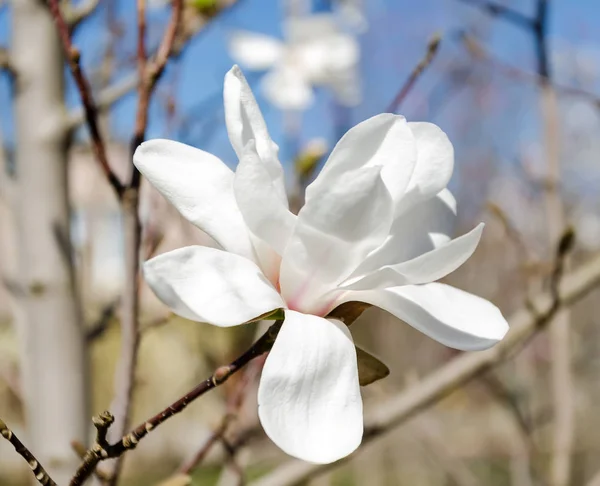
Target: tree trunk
53 346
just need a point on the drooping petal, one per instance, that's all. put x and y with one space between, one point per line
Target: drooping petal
309 399
428 225
384 140
425 268
209 285
255 51
336 229
245 122
451 316
265 214
435 163
200 186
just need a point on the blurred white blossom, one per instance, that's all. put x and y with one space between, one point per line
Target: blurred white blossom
375 228
316 52
352 14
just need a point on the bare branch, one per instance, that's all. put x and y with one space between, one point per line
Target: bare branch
101 450
148 74
112 94
106 98
90 109
36 468
432 49
457 372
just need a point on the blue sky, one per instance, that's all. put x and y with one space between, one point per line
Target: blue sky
398 34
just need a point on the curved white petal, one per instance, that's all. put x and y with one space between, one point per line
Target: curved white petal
209 285
334 233
255 51
265 214
309 398
425 268
286 87
200 186
428 225
245 122
435 163
384 140
451 316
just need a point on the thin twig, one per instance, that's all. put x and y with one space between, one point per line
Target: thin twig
36 468
432 49
112 94
457 372
102 450
85 92
149 73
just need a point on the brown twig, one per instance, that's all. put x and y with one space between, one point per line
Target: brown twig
102 450
36 468
432 49
460 370
149 72
85 92
112 94
81 450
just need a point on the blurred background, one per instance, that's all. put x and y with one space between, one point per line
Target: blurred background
514 84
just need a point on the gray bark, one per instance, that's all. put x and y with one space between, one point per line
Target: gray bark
53 347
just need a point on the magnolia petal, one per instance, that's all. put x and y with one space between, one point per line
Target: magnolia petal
370 369
427 226
266 216
255 51
451 316
309 401
209 285
245 122
287 89
435 163
384 140
200 186
333 234
425 268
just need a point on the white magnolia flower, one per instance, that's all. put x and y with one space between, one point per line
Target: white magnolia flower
316 52
375 229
